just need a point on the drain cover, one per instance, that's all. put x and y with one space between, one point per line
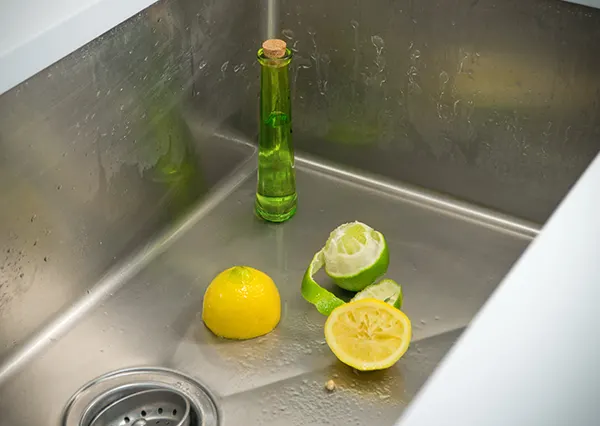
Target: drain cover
158 407
141 397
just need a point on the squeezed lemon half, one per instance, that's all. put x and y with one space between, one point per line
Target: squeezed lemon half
368 334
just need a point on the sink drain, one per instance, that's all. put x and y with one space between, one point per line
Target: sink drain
158 407
141 397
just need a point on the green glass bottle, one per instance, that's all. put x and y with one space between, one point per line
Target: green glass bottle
276 197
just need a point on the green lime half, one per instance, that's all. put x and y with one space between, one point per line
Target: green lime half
386 290
354 256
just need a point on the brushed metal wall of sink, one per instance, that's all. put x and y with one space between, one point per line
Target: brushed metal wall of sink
98 153
493 102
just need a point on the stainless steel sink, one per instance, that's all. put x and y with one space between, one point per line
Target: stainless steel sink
104 256
146 311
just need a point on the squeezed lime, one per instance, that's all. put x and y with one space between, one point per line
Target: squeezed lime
355 256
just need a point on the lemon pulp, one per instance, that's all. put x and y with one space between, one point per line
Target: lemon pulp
368 334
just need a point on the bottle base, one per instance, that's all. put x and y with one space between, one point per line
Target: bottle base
275 209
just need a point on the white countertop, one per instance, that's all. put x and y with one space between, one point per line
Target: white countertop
590 3
532 354
36 33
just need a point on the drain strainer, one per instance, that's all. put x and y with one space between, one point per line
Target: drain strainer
158 407
141 397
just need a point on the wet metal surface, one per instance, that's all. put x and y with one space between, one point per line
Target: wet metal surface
96 158
496 103
448 264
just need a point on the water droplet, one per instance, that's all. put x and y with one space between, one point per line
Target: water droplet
354 24
224 66
378 43
444 78
287 33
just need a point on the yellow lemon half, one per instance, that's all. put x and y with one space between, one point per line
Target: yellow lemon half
368 334
241 303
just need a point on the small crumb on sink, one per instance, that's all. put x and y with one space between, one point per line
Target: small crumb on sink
330 385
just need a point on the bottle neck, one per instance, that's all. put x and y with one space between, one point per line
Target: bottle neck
275 99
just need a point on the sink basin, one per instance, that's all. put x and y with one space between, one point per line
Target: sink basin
449 257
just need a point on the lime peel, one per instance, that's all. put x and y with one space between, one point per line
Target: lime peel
324 300
354 256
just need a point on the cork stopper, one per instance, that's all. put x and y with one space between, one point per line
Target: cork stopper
274 48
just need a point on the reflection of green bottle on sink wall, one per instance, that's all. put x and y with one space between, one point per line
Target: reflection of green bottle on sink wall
167 155
176 164
276 190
